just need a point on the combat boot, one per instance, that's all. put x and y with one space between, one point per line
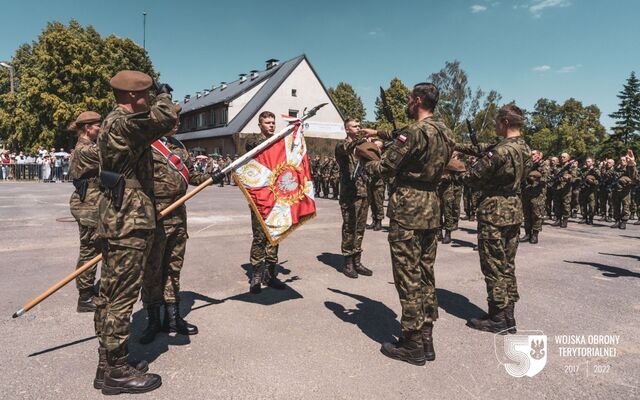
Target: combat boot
98 381
564 221
510 318
637 222
446 239
256 278
615 225
360 269
173 322
410 348
371 225
86 301
271 279
427 341
153 324
558 223
439 235
349 269
378 226
534 237
120 377
494 322
526 237
623 225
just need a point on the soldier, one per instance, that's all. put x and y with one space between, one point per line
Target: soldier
315 175
550 205
417 158
450 193
562 186
623 177
127 221
500 174
335 178
533 198
84 172
263 255
469 195
589 189
607 181
375 194
575 190
353 200
325 173
227 161
173 172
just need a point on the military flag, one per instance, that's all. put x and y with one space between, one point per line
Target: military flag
278 186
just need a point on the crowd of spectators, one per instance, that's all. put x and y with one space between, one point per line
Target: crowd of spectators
43 165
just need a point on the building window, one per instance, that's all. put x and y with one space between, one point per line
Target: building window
201 120
294 92
293 113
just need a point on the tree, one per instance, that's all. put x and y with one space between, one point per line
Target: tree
628 115
64 72
348 102
397 94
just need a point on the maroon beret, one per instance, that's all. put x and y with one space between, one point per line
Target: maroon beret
131 81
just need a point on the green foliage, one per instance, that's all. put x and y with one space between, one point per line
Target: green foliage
348 102
64 72
397 94
628 115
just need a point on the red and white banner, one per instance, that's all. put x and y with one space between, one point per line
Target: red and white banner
278 186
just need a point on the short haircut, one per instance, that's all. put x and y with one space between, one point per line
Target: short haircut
512 114
429 94
266 114
350 119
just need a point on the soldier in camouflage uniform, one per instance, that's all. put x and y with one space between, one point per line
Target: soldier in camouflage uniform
417 158
325 174
375 194
335 179
353 200
315 175
607 181
469 195
588 191
263 255
533 198
623 177
450 194
500 174
549 202
562 187
575 191
172 174
83 169
127 221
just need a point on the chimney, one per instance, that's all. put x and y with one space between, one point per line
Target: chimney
254 74
272 62
223 85
206 92
198 95
243 77
187 97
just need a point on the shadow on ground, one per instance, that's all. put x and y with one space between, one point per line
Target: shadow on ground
332 260
458 305
608 270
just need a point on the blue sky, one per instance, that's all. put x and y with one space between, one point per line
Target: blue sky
524 49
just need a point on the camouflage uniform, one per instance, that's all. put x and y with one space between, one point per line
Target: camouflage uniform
533 198
450 194
325 173
621 193
84 165
335 178
353 198
161 282
316 176
375 193
124 147
562 189
470 196
588 193
417 159
500 174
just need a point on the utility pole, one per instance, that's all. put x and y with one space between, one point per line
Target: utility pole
144 30
10 68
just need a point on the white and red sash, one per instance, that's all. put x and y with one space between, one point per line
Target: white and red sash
174 161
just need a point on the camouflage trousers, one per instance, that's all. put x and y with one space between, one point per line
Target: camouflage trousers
588 202
413 253
90 246
549 206
375 194
605 202
317 185
354 219
261 249
325 187
450 206
121 277
533 206
562 202
161 282
575 198
335 187
621 204
470 201
497 247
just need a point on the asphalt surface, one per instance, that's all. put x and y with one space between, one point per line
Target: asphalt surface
320 339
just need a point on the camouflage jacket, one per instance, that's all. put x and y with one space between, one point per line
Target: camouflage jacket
346 160
590 171
124 144
569 176
416 158
537 186
169 184
315 168
325 168
85 164
500 174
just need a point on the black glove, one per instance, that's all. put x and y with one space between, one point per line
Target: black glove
162 87
217 176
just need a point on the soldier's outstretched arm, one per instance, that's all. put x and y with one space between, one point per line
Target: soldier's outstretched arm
146 127
395 156
483 170
472 150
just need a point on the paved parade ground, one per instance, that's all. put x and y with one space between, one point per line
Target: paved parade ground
320 339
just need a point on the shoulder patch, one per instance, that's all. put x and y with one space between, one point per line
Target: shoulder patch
490 154
402 138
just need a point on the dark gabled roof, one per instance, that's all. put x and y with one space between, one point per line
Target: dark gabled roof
276 76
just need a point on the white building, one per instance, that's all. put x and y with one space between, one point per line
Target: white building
220 119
